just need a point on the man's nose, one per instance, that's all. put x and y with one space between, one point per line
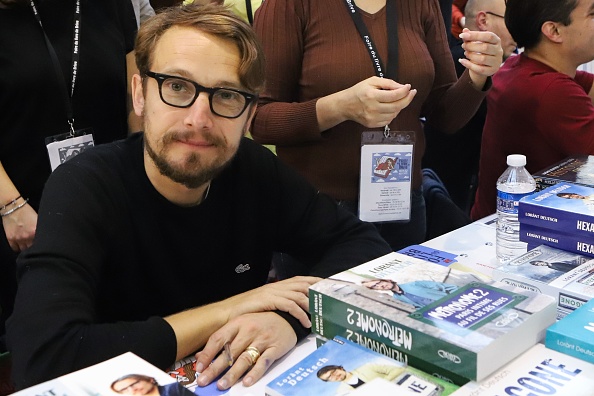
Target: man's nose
199 114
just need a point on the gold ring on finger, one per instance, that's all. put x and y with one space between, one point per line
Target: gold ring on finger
253 353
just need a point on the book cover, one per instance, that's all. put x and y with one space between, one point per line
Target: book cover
378 342
449 318
340 367
124 374
430 254
563 275
563 207
574 334
473 245
538 371
575 169
575 243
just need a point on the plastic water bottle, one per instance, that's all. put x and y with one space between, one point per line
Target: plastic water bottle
512 185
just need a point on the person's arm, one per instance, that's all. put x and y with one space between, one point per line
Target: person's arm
19 219
453 101
280 118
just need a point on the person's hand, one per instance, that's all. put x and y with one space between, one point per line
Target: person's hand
484 55
376 101
289 295
268 332
20 227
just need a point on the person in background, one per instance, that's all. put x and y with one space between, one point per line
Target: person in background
40 95
142 10
458 17
161 244
455 157
323 89
540 104
245 9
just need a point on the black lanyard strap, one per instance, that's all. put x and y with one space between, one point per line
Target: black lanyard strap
391 69
56 63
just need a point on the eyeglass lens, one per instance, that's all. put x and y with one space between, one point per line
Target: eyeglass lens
224 102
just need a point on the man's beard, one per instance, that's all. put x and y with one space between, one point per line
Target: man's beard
192 173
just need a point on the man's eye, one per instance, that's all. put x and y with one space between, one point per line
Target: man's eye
177 85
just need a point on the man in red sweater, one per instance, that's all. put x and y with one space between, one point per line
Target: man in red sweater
540 105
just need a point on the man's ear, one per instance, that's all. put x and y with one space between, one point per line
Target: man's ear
481 21
551 31
137 95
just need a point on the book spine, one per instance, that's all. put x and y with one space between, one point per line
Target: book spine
557 239
412 342
555 219
543 182
564 343
328 329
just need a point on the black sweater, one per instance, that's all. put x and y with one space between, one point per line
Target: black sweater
112 256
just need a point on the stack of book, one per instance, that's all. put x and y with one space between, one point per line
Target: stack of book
561 216
565 276
577 169
452 324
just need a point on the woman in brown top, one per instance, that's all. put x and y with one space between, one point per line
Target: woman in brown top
321 92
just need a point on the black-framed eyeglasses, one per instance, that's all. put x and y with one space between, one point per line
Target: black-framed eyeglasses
128 388
182 92
492 13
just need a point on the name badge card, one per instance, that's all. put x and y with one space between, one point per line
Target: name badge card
386 176
67 145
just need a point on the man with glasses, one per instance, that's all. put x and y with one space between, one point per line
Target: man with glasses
540 104
161 244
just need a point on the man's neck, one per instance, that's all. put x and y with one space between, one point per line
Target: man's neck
552 58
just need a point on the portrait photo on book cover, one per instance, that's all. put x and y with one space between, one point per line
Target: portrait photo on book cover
139 384
544 263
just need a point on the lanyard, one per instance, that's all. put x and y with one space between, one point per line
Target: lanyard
391 70
248 11
56 63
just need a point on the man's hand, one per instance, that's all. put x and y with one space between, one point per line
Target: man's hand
484 55
20 227
193 327
269 333
289 295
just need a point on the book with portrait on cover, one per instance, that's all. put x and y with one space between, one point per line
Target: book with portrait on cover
564 207
340 367
463 323
123 374
567 277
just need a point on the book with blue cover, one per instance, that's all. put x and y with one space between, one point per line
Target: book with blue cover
563 275
538 371
459 321
339 367
571 242
564 207
574 334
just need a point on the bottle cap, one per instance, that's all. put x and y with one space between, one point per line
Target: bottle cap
516 160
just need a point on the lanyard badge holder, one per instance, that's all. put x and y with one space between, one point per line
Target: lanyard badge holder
64 146
386 175
385 179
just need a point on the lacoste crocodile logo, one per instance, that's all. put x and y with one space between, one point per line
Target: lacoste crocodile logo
242 268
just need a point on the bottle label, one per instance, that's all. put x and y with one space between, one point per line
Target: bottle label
508 203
